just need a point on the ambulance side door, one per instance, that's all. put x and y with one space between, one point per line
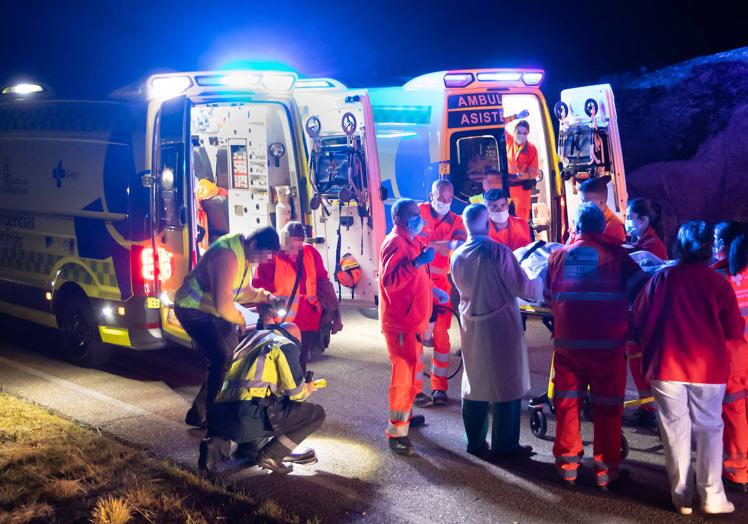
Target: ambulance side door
589 144
345 226
174 227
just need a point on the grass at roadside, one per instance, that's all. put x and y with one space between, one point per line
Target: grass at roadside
52 470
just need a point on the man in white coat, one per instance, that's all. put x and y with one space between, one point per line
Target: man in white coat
496 374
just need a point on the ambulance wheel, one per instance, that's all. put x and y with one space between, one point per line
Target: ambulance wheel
80 335
538 423
624 447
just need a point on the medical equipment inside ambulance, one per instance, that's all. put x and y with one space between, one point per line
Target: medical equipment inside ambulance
240 148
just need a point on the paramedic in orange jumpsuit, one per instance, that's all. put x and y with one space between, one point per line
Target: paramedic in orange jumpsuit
443 230
511 231
731 253
595 190
279 276
642 222
590 281
522 157
404 310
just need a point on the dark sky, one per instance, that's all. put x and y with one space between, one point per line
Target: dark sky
87 47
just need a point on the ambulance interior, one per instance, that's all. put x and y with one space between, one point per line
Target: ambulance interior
244 168
473 153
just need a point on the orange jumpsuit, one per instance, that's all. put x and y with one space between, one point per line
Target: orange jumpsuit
589 281
520 159
734 405
649 241
515 235
437 229
405 302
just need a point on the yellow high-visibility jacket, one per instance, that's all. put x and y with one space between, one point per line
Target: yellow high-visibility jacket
264 365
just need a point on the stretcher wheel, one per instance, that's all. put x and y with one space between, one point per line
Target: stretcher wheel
538 423
624 447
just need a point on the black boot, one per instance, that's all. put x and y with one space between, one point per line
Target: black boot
194 418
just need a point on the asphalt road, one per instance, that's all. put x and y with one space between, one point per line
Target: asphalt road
141 397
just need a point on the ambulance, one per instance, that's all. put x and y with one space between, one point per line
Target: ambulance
106 205
436 124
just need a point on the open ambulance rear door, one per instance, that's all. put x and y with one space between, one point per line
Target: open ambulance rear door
589 145
347 210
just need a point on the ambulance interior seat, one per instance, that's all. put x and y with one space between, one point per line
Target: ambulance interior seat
217 207
203 169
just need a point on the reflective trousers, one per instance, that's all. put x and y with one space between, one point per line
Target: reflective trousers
440 360
689 412
604 372
406 355
735 417
634 354
522 201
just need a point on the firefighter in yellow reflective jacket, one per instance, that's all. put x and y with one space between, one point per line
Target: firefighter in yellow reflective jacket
263 397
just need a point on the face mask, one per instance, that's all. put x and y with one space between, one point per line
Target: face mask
499 217
441 208
520 139
630 227
415 224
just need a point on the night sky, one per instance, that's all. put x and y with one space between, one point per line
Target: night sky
85 48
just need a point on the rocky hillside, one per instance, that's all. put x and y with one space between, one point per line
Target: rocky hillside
684 131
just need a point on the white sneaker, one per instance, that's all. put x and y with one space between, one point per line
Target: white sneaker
716 509
685 510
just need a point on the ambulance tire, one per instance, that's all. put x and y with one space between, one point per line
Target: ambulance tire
624 447
80 335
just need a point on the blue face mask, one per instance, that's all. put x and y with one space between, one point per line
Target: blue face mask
415 224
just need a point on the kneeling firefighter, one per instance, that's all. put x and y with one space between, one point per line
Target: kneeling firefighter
261 404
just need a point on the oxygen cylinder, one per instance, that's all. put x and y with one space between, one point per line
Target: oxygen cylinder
282 207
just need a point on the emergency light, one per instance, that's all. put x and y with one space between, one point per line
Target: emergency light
22 89
240 80
169 86
499 77
532 79
245 80
458 79
319 83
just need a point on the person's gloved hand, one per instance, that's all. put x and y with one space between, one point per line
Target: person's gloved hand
426 256
522 114
441 296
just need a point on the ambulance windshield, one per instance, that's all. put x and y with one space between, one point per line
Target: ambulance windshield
475 155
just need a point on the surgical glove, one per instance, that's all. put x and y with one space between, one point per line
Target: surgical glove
522 114
441 296
426 256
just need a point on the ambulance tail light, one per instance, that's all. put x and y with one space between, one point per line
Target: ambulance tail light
532 79
149 261
458 79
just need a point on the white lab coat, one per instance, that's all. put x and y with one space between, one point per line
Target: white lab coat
494 353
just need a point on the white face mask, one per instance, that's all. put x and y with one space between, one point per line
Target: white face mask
630 227
520 139
499 217
441 208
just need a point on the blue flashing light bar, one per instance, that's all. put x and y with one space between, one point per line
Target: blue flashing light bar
458 79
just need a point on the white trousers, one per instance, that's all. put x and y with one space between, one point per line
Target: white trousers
689 411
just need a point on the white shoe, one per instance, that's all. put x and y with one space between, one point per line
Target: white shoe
685 510
716 509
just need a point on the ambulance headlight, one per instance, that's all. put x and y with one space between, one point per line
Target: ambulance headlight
22 89
278 82
499 77
169 86
532 79
107 312
458 79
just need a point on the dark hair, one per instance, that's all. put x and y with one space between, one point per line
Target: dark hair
694 242
597 185
644 207
471 213
523 123
295 230
399 206
739 253
590 219
265 239
495 194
